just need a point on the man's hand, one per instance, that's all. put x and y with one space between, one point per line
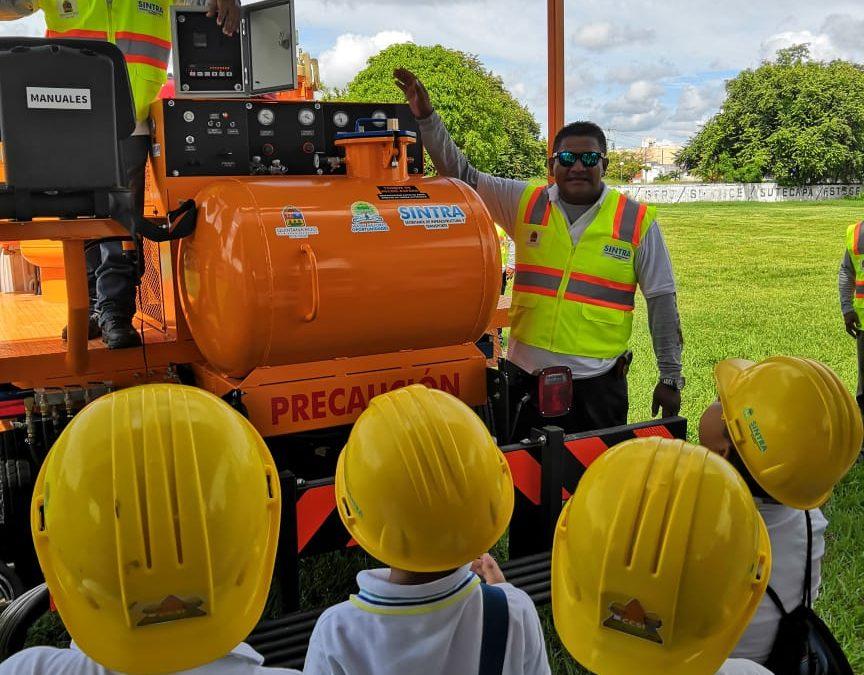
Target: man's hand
667 398
510 271
487 569
415 93
227 13
853 323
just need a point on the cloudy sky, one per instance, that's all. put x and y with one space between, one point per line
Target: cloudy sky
648 68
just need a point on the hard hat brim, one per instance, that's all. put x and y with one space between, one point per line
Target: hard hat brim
726 371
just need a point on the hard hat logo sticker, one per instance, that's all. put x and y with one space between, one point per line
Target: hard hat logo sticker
295 226
172 608
755 431
634 620
365 218
533 239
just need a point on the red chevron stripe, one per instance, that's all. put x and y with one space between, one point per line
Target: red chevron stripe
526 474
648 432
586 450
313 509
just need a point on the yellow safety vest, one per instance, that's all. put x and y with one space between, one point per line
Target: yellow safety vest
141 28
855 246
576 299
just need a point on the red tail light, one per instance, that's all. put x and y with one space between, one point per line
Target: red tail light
554 391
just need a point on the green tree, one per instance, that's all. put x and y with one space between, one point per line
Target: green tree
795 120
624 165
496 132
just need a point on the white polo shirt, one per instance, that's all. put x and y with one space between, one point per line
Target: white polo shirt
243 660
787 530
389 628
742 667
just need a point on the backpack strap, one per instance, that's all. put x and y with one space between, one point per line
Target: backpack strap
807 595
771 593
496 624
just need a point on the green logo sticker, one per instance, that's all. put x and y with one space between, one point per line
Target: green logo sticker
755 431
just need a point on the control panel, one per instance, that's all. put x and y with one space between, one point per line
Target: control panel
211 61
261 137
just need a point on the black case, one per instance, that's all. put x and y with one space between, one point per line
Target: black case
58 148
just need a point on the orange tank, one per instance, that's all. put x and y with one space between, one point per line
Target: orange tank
291 270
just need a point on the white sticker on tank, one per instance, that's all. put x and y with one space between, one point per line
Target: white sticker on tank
366 218
295 225
433 216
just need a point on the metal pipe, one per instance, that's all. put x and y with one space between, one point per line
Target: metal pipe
78 308
555 39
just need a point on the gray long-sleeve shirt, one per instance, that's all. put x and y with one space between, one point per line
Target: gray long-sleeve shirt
652 262
846 283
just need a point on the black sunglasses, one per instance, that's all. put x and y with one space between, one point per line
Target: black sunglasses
589 159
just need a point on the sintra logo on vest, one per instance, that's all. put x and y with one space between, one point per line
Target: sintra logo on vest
153 8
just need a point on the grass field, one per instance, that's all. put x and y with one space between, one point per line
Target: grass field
753 280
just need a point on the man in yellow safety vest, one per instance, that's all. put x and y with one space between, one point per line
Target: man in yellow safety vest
851 282
581 250
142 30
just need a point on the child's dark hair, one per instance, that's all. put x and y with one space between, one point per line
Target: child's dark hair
580 129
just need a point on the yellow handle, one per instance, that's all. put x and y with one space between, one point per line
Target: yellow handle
316 296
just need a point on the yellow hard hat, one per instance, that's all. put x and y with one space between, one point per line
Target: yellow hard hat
659 562
420 484
796 427
155 518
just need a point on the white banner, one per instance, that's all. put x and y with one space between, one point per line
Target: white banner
678 193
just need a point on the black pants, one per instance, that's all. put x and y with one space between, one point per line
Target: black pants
598 402
110 271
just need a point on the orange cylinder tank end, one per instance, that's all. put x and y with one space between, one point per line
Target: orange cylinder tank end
47 255
292 270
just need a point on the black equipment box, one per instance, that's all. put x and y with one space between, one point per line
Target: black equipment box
261 58
57 113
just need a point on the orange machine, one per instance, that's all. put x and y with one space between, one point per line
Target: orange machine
332 273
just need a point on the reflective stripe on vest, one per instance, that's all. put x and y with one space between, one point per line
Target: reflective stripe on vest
539 207
628 220
536 279
78 33
601 292
858 239
859 289
139 48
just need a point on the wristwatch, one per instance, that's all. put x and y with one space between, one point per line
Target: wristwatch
676 383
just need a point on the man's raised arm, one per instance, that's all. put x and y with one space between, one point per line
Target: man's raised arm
501 195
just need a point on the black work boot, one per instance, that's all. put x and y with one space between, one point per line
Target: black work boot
118 333
93 329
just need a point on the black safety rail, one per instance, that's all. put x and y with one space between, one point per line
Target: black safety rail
546 469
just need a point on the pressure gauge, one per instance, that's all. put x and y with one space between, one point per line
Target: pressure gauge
340 119
379 115
266 117
306 117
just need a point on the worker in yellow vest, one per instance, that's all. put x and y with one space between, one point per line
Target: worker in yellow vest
142 30
851 281
581 250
